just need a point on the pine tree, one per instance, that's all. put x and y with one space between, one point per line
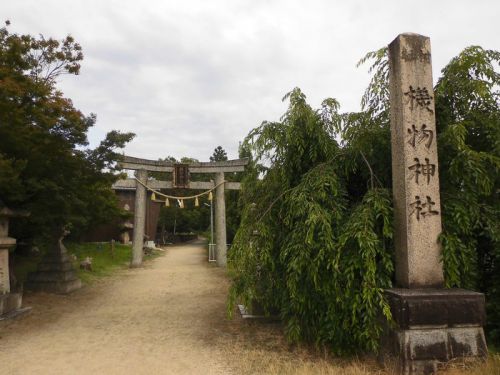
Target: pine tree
219 154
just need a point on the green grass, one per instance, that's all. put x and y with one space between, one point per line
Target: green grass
103 262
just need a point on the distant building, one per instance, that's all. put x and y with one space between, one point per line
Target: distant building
123 230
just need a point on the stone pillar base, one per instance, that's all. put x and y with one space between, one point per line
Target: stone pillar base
434 326
55 274
10 302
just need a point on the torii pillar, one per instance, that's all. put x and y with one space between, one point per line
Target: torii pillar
139 218
220 221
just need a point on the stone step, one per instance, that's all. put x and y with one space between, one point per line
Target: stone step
58 287
55 266
52 276
10 302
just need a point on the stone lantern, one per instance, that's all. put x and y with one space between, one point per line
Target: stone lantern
10 300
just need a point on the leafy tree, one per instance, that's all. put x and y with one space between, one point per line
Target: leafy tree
306 248
45 165
468 119
219 154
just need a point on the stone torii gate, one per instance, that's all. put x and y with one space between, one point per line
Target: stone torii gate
180 174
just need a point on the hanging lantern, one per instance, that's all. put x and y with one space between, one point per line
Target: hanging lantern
153 196
196 202
210 196
167 203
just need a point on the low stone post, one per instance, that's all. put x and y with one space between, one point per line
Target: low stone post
433 324
220 221
139 218
112 248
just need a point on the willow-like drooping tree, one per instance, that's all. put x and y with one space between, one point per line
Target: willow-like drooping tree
308 248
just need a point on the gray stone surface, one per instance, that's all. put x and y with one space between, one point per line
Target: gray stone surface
129 162
6 243
139 218
55 286
4 271
125 237
129 184
417 308
15 313
220 221
417 209
10 302
422 350
252 315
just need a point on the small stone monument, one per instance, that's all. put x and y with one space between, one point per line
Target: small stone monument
55 272
10 298
433 324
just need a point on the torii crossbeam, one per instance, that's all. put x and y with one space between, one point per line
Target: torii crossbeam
180 174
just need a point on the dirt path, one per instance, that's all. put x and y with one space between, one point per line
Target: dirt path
167 318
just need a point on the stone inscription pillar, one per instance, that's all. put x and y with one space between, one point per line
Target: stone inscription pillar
220 221
417 209
432 324
139 218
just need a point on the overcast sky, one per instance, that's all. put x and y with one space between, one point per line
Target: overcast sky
187 76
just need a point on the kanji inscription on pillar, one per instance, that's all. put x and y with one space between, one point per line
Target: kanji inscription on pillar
417 210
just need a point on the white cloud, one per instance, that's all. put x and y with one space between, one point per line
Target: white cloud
187 76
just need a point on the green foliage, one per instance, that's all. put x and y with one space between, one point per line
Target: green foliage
376 97
315 241
307 249
44 165
219 154
185 220
468 121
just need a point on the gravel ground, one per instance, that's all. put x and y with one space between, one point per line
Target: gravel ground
166 318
